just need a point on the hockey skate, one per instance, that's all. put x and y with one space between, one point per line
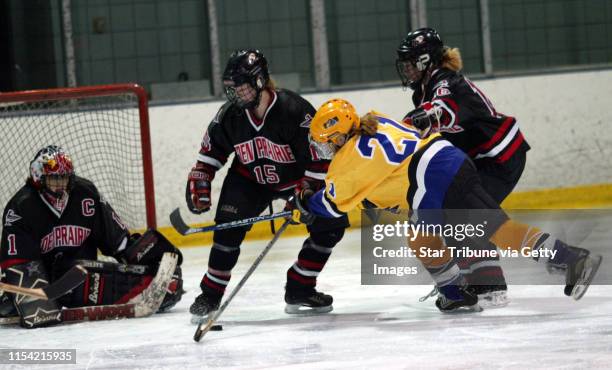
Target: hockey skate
204 304
492 296
579 267
457 298
307 301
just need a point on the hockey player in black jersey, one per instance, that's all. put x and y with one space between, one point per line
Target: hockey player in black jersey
57 220
450 103
267 129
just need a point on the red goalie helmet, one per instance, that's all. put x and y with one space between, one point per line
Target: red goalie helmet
51 160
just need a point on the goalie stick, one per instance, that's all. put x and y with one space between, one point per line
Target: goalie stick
144 304
204 327
70 280
179 224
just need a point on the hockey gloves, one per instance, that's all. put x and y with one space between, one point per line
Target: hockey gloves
425 118
310 183
297 204
197 193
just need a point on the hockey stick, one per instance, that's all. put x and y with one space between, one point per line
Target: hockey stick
204 327
272 226
71 279
177 222
144 304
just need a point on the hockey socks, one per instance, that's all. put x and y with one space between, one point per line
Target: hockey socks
577 263
311 260
300 295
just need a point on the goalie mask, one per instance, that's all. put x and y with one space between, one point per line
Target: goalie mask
52 171
420 50
332 126
245 77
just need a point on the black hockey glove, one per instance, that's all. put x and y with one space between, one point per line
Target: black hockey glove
297 204
197 193
425 118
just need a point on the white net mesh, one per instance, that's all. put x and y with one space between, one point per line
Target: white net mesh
101 134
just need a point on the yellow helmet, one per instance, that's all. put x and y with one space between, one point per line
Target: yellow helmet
334 120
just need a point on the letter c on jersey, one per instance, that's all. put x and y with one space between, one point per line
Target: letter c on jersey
87 207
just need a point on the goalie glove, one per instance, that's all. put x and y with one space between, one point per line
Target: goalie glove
425 118
197 193
297 204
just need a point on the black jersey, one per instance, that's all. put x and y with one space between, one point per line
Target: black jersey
469 120
34 230
274 151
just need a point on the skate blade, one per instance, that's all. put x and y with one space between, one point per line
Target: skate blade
464 310
497 299
588 275
297 309
197 319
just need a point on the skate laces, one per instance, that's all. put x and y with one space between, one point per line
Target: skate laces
433 293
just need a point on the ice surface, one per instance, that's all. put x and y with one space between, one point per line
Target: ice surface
370 327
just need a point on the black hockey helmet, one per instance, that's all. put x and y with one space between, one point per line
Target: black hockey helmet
422 48
245 66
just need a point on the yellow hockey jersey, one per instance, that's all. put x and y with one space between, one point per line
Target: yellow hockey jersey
395 168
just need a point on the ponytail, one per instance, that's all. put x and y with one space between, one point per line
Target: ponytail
368 124
451 59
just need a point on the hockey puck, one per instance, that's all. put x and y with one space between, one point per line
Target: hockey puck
216 328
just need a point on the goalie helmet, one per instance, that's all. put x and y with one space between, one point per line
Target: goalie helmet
422 48
332 125
247 66
51 160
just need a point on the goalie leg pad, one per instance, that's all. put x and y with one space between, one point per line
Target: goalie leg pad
111 283
33 312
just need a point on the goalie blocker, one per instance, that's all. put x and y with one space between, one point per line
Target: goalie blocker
107 283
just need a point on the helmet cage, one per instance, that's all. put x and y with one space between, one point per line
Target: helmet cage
422 48
245 67
51 161
332 126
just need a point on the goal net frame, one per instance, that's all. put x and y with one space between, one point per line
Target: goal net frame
101 91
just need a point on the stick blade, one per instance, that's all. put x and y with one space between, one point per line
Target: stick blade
70 280
177 222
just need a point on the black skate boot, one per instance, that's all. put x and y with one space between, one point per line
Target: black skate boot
457 298
307 301
204 304
579 268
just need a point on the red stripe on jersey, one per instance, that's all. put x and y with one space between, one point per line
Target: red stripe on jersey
310 264
483 97
512 148
144 283
503 129
12 262
453 105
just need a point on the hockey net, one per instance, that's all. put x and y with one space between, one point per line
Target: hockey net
105 129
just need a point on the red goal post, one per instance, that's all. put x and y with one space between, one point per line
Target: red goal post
105 129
